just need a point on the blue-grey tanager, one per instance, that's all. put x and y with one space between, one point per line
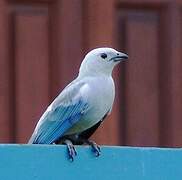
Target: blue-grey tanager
83 104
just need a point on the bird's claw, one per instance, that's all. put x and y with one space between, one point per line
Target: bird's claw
95 148
71 150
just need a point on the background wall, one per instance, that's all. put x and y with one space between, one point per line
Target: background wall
43 42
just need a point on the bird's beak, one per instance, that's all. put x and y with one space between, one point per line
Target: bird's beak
119 57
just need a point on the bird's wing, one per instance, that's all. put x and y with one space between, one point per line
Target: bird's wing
62 114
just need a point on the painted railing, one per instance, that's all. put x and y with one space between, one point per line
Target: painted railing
45 162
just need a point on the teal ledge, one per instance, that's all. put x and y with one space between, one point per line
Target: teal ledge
50 162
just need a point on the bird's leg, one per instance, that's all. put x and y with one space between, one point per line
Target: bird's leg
95 147
71 149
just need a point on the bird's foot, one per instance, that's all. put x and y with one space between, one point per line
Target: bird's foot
71 150
95 147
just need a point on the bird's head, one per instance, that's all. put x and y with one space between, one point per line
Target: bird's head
101 61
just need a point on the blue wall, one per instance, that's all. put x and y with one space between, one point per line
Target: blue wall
44 162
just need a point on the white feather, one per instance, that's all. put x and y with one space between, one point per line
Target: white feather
94 85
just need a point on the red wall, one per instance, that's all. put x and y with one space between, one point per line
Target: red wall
42 45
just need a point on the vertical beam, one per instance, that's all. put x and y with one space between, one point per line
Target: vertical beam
99 31
142 115
32 70
66 42
99 24
171 80
6 100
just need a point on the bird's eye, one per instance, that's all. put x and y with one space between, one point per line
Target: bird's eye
103 55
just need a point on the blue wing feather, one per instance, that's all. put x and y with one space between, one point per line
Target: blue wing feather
58 121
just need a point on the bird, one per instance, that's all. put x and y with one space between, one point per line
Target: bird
82 106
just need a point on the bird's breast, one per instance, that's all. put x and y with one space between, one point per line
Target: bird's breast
99 93
103 93
100 97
